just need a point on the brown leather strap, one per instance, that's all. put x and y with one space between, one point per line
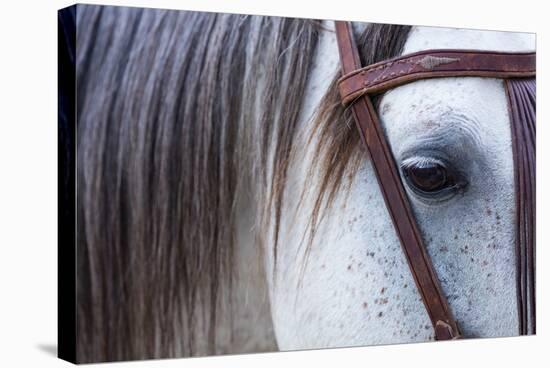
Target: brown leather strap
522 107
395 197
431 64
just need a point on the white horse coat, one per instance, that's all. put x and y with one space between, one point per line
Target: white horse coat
357 288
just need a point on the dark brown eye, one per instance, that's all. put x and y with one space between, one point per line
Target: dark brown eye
428 177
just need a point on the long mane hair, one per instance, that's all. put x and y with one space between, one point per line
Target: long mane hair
176 110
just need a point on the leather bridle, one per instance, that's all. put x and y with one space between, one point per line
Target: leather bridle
358 84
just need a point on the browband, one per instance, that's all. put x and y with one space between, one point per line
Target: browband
355 86
435 63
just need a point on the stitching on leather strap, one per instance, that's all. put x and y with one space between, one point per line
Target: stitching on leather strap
432 64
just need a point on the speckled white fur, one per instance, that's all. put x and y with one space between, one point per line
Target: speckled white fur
357 288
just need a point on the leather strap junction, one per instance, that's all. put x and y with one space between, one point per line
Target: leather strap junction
356 86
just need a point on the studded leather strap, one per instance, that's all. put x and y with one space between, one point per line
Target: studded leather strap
435 63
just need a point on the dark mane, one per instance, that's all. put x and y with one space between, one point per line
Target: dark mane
171 122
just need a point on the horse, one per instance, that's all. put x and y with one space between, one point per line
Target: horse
225 203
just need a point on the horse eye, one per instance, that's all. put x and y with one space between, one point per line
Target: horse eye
428 177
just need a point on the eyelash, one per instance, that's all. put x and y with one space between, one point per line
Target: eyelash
423 162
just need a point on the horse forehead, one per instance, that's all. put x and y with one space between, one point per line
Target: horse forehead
423 38
472 106
418 107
